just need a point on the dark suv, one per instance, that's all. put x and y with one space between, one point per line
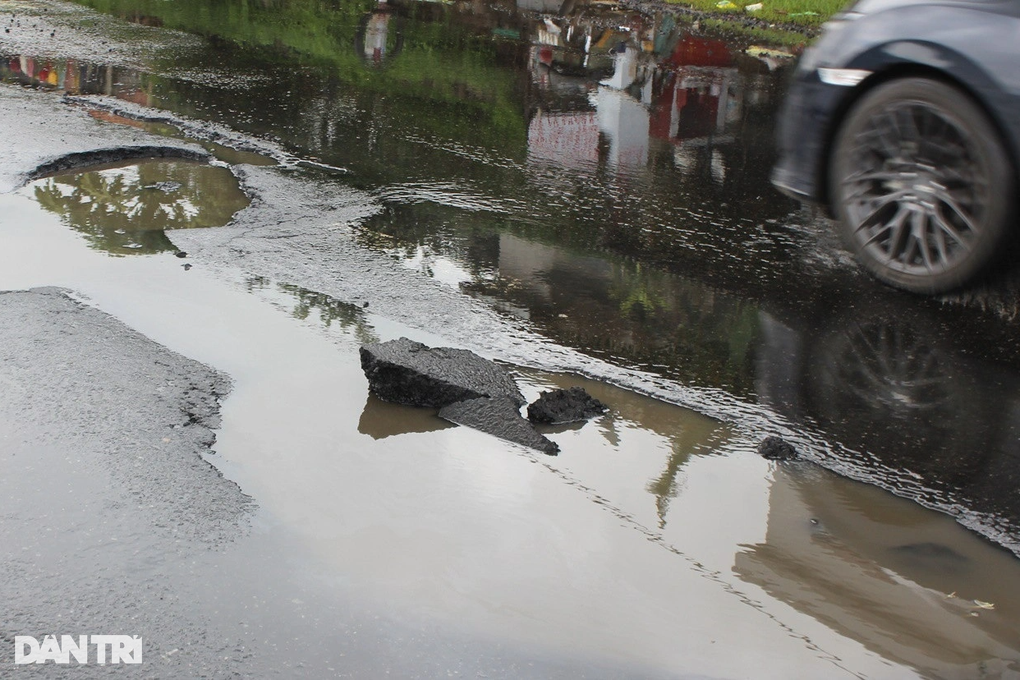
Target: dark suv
903 120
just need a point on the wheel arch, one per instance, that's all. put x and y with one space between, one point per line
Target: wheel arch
896 71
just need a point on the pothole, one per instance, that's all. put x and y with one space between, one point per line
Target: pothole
126 208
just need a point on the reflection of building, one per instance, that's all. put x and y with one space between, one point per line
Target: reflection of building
650 86
564 138
75 77
624 121
901 580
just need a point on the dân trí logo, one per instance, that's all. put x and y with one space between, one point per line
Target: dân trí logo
85 649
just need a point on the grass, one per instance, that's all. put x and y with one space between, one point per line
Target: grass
751 35
808 13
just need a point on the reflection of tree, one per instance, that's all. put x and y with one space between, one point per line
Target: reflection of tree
127 210
638 300
662 319
609 306
346 315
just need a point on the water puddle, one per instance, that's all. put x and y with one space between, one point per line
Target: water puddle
648 511
600 176
127 208
883 571
910 585
77 77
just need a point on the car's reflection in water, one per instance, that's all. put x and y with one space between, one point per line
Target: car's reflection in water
928 421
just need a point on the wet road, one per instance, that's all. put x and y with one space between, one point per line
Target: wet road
604 178
594 188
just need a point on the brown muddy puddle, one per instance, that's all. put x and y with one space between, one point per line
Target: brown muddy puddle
657 539
126 208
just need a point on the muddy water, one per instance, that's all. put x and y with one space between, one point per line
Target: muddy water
602 177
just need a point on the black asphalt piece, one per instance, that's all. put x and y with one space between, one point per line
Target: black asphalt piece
777 448
501 417
407 372
565 406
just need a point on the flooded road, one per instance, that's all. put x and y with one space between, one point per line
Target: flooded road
583 191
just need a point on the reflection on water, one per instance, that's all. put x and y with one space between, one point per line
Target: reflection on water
621 310
907 583
126 208
638 449
75 77
303 304
939 425
602 175
381 419
379 36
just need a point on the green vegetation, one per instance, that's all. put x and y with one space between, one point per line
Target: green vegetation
439 74
800 12
777 37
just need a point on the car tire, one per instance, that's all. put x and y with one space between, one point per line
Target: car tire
921 186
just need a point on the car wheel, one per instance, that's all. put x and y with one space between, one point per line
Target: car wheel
921 185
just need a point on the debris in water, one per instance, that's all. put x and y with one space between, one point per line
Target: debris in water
500 417
777 448
468 389
407 372
167 187
565 406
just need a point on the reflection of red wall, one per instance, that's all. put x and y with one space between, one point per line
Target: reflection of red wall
661 118
700 52
694 109
134 96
